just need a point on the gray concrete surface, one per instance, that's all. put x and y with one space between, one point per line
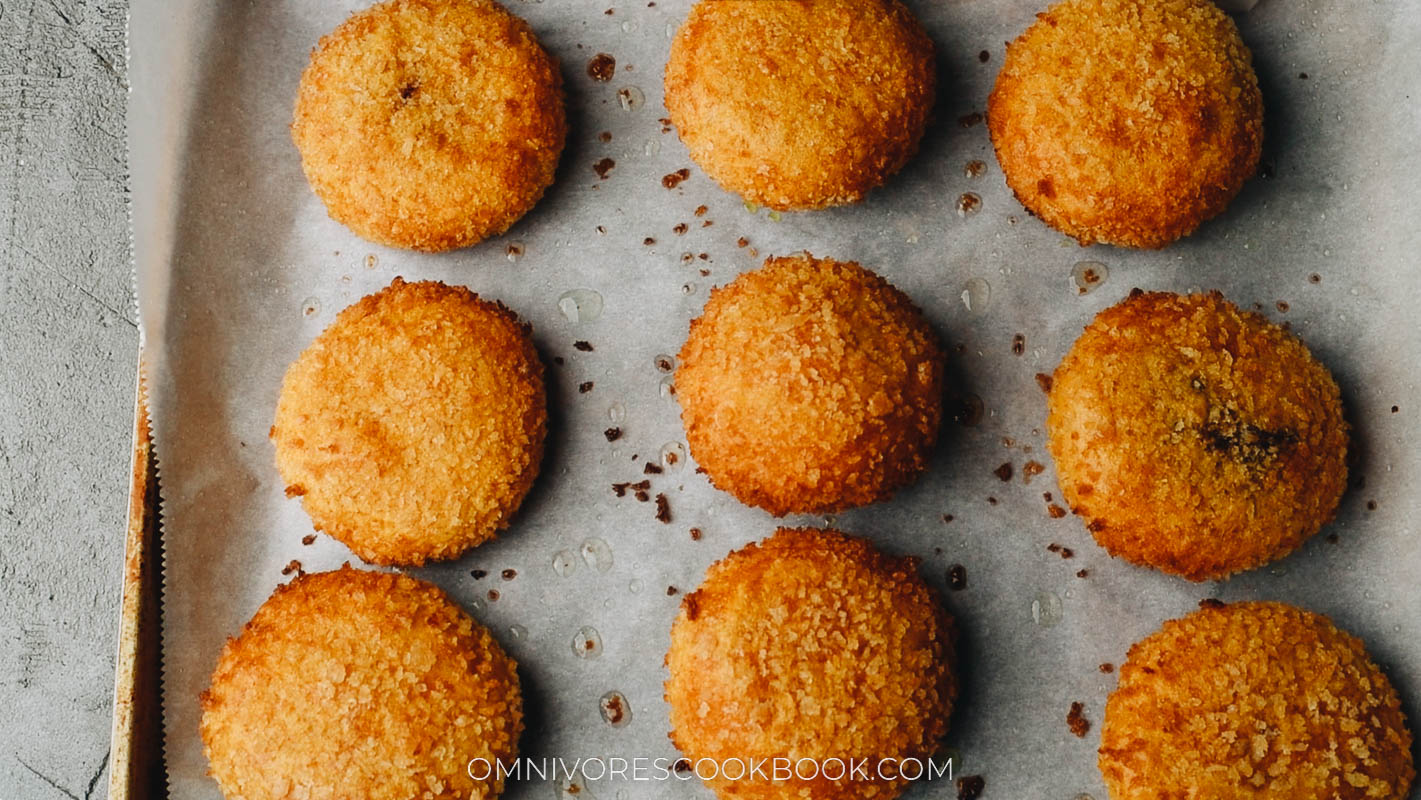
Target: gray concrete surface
68 344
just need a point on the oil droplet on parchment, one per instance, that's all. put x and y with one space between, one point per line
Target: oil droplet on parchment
587 642
616 711
673 455
597 554
976 293
571 787
968 204
1046 609
580 305
564 563
630 98
970 411
1086 276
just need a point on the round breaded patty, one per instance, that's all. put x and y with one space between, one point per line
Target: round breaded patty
413 426
800 104
810 645
1127 122
360 684
430 124
810 386
1254 700
1196 438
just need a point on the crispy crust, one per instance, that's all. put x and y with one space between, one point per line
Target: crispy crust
1127 122
1196 438
413 426
1256 701
800 104
428 124
810 644
360 684
810 385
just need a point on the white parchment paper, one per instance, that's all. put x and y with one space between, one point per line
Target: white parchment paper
239 268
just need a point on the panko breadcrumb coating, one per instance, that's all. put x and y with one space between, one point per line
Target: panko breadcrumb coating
800 104
811 644
430 124
360 684
413 426
810 386
1127 122
1196 438
1254 701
